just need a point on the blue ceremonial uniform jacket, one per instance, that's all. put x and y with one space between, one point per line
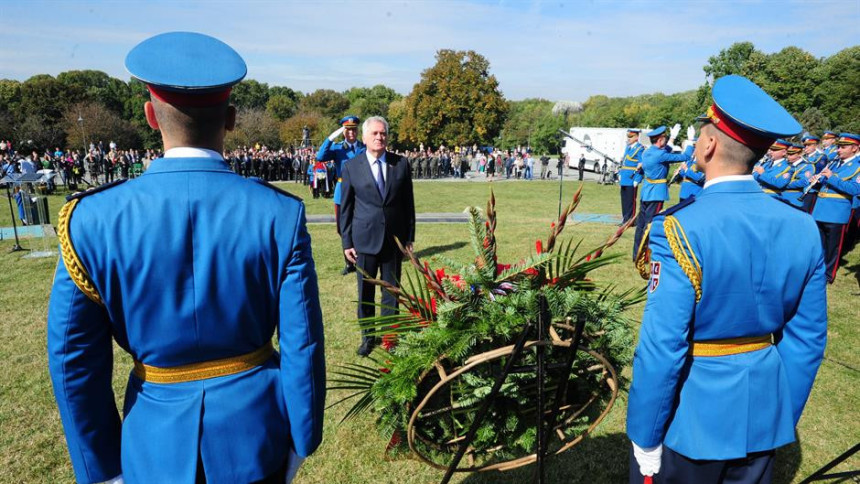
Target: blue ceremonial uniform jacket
630 160
818 159
193 263
693 179
836 196
830 153
724 407
775 178
655 163
799 180
340 154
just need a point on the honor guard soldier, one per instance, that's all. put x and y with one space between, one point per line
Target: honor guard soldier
812 153
340 153
730 341
828 146
775 175
655 165
692 178
628 175
184 271
839 184
802 171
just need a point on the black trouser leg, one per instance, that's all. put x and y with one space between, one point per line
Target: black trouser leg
628 202
647 210
831 243
388 264
755 468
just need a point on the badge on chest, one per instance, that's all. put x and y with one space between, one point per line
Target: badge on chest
655 277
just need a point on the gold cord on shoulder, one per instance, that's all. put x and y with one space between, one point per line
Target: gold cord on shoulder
683 253
643 255
73 263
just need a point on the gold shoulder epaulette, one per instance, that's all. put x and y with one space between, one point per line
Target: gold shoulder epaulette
71 260
643 255
683 252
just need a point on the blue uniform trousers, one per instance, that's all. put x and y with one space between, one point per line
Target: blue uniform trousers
647 211
756 468
831 241
628 202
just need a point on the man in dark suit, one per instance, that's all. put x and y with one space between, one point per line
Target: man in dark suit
376 205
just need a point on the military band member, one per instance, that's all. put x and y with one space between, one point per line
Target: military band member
802 171
692 180
811 152
730 341
340 153
655 167
209 399
774 176
828 146
627 174
840 183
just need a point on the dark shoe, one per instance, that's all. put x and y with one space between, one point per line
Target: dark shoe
366 347
347 269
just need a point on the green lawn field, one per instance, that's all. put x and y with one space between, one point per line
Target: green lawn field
32 446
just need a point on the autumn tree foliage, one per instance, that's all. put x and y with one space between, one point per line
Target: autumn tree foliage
457 102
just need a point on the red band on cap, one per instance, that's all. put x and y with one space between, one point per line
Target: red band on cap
735 131
183 99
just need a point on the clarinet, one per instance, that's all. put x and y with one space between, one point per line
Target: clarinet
816 183
675 177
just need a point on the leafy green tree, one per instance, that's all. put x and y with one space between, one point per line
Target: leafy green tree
250 94
838 92
733 60
10 95
98 122
98 87
320 126
329 103
521 121
457 102
254 126
133 104
47 99
281 107
371 101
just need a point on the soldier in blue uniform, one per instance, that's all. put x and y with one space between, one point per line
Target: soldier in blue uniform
730 341
628 174
692 180
840 184
828 146
184 271
655 166
811 152
774 175
340 153
802 171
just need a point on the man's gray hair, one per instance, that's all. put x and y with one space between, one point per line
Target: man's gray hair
374 119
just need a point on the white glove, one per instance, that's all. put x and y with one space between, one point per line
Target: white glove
115 480
691 132
648 459
673 133
685 144
336 133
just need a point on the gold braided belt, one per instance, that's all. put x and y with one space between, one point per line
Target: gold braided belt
656 181
204 369
732 346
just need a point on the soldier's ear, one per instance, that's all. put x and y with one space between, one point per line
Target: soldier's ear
149 110
230 121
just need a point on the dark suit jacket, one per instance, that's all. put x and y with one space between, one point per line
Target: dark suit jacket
366 219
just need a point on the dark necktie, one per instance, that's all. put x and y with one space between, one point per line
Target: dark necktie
380 181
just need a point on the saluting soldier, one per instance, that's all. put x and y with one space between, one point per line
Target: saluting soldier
840 183
627 174
655 166
730 341
340 153
209 399
774 176
802 171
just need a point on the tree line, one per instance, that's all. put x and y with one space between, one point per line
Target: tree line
456 102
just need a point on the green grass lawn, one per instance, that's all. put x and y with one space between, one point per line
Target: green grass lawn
32 446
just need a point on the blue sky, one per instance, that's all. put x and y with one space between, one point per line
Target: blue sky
559 50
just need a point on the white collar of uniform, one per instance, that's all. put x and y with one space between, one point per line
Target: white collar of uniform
372 159
799 161
727 178
188 152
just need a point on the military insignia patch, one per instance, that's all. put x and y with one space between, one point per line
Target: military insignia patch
655 277
785 176
808 174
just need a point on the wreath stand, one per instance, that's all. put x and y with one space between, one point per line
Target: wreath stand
547 421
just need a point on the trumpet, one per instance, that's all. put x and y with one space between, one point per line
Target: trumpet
815 183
